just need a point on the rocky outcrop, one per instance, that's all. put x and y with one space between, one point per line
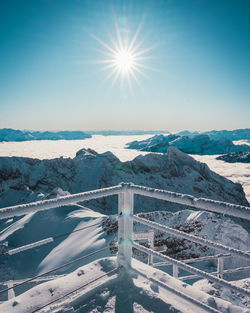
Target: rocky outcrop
242 157
199 144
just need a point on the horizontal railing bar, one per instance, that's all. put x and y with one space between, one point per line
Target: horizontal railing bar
56 269
44 241
238 269
196 239
193 276
200 203
196 260
161 264
233 270
46 278
29 246
192 269
19 210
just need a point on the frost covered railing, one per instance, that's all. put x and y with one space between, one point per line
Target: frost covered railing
125 192
200 203
125 231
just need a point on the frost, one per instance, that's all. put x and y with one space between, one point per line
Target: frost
30 246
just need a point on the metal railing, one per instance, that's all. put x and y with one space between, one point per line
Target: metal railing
126 218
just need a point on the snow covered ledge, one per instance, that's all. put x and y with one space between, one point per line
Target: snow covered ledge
141 288
85 281
181 296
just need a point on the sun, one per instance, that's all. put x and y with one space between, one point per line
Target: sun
124 58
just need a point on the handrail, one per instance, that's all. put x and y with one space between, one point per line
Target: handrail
185 199
196 239
44 241
19 210
56 269
196 260
230 271
193 270
200 203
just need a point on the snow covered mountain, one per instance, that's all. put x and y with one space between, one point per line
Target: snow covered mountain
237 134
25 179
242 157
199 144
8 134
126 132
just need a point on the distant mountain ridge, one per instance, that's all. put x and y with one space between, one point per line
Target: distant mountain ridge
237 134
199 144
241 157
9 134
126 132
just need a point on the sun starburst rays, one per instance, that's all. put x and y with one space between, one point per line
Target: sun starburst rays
123 57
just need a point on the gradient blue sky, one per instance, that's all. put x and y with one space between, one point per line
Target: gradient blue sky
201 62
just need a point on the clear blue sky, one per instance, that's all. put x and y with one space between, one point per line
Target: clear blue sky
201 62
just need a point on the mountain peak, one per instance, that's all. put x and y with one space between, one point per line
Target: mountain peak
83 153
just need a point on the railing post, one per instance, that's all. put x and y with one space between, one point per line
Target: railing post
175 271
11 292
125 225
220 267
151 243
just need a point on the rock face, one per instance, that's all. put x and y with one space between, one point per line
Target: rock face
199 144
8 134
242 157
24 179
